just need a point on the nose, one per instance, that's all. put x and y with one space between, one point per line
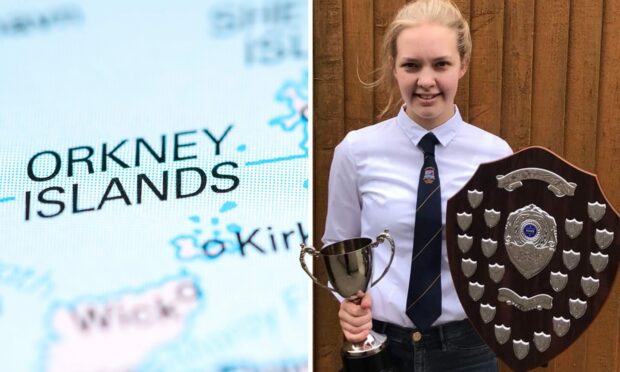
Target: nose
426 79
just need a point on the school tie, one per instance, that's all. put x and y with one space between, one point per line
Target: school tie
424 294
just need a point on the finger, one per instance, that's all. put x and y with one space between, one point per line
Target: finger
355 328
366 302
354 320
356 337
352 310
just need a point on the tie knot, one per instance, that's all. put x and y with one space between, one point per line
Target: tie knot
427 144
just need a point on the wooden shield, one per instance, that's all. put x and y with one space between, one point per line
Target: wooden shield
533 246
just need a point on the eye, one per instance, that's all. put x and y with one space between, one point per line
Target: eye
442 64
410 65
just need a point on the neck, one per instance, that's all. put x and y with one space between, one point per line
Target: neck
430 124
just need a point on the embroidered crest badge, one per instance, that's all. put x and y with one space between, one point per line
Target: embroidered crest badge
429 175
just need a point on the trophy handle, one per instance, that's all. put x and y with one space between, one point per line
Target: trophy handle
385 235
306 249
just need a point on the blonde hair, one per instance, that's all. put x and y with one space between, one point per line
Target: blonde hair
442 12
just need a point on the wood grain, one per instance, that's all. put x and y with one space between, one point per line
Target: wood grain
384 12
485 70
358 70
549 78
517 72
584 56
328 130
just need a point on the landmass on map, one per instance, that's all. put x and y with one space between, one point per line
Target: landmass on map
119 331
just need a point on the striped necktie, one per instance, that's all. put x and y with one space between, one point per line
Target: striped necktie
424 294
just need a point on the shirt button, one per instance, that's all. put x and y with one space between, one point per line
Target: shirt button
416 336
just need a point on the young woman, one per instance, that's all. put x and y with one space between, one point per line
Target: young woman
399 174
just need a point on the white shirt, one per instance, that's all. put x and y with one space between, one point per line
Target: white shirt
373 185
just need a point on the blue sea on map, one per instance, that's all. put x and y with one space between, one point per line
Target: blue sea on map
154 194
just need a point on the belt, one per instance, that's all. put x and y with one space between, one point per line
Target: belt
433 335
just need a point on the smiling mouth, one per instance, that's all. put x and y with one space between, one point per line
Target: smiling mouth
427 97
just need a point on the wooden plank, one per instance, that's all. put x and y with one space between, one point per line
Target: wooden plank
549 78
328 129
462 95
358 63
604 334
384 12
485 69
583 82
517 72
328 73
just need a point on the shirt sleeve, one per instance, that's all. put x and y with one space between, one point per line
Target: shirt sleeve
506 149
344 206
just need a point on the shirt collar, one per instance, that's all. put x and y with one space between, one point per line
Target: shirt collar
444 133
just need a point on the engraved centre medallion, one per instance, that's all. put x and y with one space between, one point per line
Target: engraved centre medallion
530 238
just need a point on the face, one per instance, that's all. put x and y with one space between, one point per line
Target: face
427 69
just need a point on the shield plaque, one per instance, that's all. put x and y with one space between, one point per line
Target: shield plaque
541 254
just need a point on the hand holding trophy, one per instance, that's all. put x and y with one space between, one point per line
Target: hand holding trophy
349 269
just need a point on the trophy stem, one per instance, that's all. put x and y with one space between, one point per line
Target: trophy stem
374 343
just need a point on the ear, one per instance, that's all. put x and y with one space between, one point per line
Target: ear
463 69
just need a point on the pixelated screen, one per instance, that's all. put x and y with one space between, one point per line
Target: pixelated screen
154 187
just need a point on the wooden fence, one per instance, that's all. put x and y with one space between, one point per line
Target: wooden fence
542 73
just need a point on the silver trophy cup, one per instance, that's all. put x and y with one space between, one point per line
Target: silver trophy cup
349 269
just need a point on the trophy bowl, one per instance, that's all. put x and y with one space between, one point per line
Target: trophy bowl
349 267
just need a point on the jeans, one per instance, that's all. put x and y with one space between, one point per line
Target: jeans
453 346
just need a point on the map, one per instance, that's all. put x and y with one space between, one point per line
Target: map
155 180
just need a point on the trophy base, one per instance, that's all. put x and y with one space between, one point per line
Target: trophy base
369 356
379 362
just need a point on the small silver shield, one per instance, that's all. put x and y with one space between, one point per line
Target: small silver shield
589 285
598 261
560 325
542 341
463 220
487 312
496 272
491 217
558 280
570 259
468 266
475 290
596 211
573 228
603 238
521 348
474 197
502 333
464 242
488 246
577 307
